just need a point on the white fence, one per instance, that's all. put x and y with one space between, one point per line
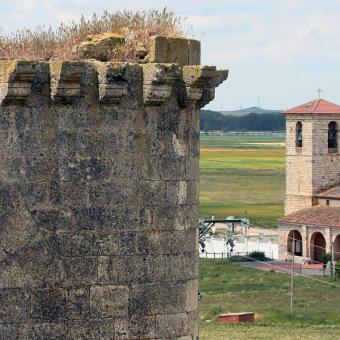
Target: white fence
216 247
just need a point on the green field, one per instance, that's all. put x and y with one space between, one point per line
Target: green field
242 175
229 287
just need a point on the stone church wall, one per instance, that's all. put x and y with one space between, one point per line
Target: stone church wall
298 166
326 172
310 169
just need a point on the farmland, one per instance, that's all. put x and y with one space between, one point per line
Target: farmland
242 175
228 287
246 173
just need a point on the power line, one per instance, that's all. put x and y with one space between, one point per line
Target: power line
290 238
311 244
289 272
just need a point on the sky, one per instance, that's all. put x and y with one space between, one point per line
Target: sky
278 52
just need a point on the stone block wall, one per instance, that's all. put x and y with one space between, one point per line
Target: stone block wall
283 240
326 173
175 50
310 169
98 199
299 165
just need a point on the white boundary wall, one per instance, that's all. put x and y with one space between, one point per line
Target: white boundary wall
243 245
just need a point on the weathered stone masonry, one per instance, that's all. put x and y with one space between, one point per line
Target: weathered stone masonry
98 199
311 169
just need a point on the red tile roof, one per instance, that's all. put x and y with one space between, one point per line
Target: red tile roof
318 215
316 106
331 193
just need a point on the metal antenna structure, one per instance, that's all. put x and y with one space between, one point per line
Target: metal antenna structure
206 225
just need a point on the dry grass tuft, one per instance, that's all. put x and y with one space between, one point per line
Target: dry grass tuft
46 43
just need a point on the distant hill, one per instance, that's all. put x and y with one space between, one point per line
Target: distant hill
248 110
265 120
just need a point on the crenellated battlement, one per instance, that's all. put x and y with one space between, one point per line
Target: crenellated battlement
70 82
99 195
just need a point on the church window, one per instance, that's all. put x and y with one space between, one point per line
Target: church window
298 137
332 135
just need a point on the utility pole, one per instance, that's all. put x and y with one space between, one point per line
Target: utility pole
332 263
292 281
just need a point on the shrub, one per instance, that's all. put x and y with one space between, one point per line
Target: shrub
337 268
326 257
258 255
45 43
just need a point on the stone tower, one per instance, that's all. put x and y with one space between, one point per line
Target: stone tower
99 195
312 157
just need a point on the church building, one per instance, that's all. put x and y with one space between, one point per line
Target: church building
311 225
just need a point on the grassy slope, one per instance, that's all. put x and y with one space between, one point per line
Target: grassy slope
230 288
241 173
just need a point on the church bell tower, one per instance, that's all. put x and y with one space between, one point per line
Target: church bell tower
312 152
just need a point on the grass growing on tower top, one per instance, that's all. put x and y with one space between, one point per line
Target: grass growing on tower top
45 43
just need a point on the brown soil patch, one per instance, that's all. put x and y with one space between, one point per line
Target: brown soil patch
258 316
205 149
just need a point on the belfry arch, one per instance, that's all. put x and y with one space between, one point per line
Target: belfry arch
294 242
298 135
332 135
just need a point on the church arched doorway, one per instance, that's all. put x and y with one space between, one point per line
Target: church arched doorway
317 246
294 242
336 249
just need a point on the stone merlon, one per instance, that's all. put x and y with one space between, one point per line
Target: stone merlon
22 82
172 70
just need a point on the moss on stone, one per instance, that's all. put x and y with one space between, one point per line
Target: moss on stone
7 67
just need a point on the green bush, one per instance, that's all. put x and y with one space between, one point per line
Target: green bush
258 255
337 268
326 257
